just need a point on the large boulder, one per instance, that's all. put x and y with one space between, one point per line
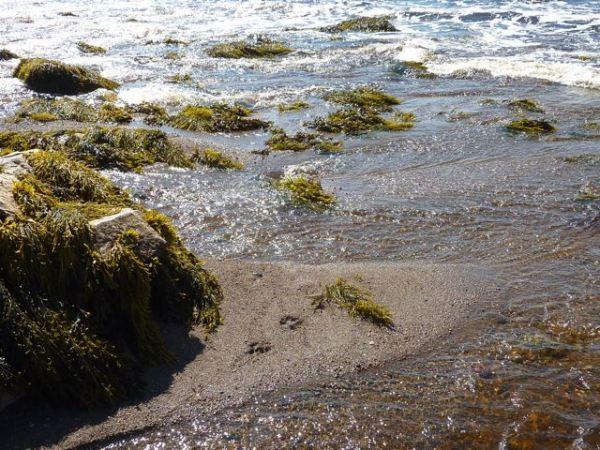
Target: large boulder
54 77
107 230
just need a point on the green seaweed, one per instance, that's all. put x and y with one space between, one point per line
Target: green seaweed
300 142
109 112
88 48
525 104
364 97
60 108
54 77
294 106
215 159
78 326
531 126
261 47
307 192
355 121
217 117
362 24
358 302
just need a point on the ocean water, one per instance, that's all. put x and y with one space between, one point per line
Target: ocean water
457 188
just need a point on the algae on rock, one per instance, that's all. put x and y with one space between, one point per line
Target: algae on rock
217 160
307 192
364 97
354 121
88 48
54 77
531 126
261 47
5 55
300 142
362 24
78 323
217 117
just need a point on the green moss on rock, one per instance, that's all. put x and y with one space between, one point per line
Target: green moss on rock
217 117
54 77
365 97
215 159
362 24
358 302
88 48
307 192
261 47
531 126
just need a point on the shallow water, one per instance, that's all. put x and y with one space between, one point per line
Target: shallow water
456 188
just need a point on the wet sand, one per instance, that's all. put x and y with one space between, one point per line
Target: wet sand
429 303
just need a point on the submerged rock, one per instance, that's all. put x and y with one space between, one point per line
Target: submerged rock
362 24
217 117
5 55
262 47
88 48
106 230
531 126
355 121
365 97
54 77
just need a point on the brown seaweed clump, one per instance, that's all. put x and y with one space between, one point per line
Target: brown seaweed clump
78 324
54 77
292 107
307 192
280 141
364 97
125 149
355 121
358 302
64 108
531 126
362 24
217 117
217 160
261 47
525 104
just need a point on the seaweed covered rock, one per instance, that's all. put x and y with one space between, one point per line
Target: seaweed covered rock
525 104
531 126
5 55
280 141
292 107
54 77
88 48
261 47
362 24
43 109
307 192
217 117
365 97
154 113
80 320
354 121
215 159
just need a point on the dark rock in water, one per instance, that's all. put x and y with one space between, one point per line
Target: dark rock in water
5 55
54 77
106 231
362 24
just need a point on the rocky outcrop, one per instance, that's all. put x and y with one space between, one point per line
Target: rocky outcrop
8 205
107 230
16 163
54 77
